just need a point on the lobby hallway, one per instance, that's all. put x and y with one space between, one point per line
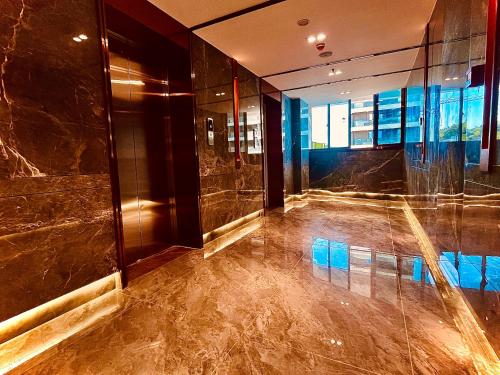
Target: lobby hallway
329 287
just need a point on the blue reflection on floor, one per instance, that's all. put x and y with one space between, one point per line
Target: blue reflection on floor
336 255
330 254
466 271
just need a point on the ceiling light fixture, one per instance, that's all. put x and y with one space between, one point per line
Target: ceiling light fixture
447 79
320 37
77 39
311 39
83 37
455 78
338 72
331 73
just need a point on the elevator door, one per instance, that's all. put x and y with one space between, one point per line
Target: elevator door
140 122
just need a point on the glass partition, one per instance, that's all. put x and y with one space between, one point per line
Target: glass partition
414 114
450 116
362 123
339 125
389 118
319 119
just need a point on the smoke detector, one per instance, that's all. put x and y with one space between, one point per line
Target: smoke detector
303 22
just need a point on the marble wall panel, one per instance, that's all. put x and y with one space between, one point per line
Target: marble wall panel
56 231
374 171
227 193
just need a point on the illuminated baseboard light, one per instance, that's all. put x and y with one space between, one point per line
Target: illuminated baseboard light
34 332
231 237
210 236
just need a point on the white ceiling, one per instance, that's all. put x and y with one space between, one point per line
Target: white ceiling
269 40
195 12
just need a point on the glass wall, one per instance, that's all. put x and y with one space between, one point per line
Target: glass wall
473 122
362 123
414 114
389 120
451 114
304 127
339 124
319 119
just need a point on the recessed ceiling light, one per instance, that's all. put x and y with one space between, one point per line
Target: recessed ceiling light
455 78
320 37
326 54
447 79
77 39
338 72
83 37
331 74
303 22
311 39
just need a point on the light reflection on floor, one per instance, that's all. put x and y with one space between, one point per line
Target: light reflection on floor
353 267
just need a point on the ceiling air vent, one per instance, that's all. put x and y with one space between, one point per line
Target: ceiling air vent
326 54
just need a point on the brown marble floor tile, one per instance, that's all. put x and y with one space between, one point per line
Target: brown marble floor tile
481 296
182 333
318 290
147 285
313 315
403 238
435 342
265 357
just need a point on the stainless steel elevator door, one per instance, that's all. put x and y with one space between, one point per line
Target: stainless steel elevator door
140 122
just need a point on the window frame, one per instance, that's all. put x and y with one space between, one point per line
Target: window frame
376 145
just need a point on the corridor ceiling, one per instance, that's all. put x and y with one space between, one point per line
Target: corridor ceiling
269 41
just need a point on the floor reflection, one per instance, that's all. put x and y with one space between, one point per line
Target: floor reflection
480 272
357 268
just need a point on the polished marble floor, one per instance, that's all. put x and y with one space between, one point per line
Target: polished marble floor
325 288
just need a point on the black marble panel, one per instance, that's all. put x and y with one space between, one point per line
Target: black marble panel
55 197
373 171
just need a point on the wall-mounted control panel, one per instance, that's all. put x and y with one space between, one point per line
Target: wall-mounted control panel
210 131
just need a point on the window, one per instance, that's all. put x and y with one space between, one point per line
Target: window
473 122
362 123
414 114
353 123
319 118
339 124
389 117
450 116
304 125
